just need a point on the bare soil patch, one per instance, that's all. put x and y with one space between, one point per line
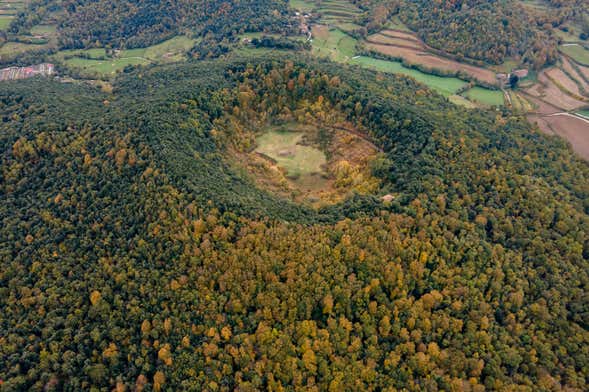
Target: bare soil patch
573 129
382 39
566 65
320 32
584 71
401 34
549 92
566 82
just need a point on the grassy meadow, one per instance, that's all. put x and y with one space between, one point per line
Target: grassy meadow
576 52
446 86
485 96
282 146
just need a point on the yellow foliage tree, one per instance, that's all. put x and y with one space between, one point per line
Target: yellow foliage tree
95 297
159 379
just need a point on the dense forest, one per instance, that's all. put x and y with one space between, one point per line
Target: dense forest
132 23
481 29
135 257
488 30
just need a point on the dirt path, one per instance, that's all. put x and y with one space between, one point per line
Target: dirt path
582 118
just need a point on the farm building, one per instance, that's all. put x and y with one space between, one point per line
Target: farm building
521 73
14 73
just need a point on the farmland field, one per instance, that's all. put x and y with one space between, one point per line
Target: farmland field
395 23
302 5
485 96
460 100
411 49
446 86
104 67
564 80
9 49
576 73
44 30
8 9
574 129
96 61
333 43
576 52
5 22
550 92
518 102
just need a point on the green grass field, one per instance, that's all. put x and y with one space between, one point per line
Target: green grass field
8 9
5 22
10 49
338 46
485 96
104 67
460 100
576 52
507 66
446 86
95 62
347 26
584 112
302 5
396 24
48 30
173 49
281 145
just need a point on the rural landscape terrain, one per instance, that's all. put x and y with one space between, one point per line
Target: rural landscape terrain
301 195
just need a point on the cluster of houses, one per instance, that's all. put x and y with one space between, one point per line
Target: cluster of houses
504 78
14 73
304 26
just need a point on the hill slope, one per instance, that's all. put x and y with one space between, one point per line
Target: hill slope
134 256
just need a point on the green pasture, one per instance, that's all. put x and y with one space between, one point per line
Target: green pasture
96 62
446 86
5 22
338 46
396 24
576 52
485 96
282 146
302 5
10 49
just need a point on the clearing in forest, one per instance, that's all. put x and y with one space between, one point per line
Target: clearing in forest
283 146
97 62
311 164
333 43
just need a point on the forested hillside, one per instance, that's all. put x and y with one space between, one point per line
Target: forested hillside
115 23
489 30
136 256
